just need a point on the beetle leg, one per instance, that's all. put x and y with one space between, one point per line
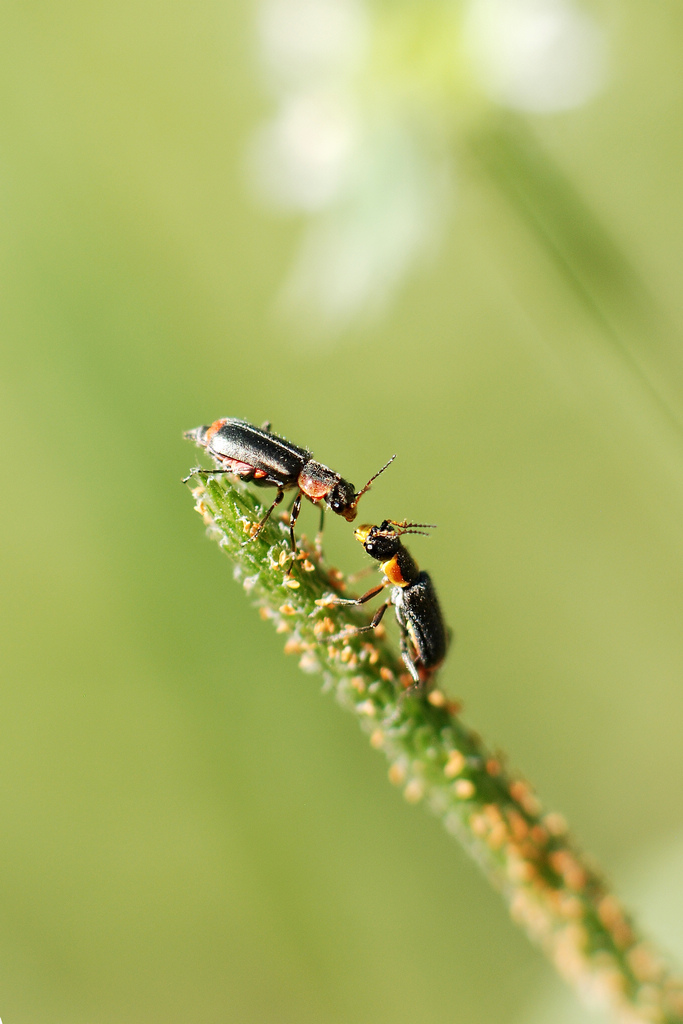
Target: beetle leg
361 600
293 516
408 661
376 619
319 535
278 498
199 471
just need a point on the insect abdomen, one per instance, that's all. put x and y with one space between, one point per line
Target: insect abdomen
242 442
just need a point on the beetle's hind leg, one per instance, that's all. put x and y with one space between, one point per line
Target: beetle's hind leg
200 471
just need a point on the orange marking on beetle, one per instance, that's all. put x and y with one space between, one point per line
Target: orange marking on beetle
213 429
393 573
312 488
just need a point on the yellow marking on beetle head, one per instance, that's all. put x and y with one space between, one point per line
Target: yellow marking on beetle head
361 532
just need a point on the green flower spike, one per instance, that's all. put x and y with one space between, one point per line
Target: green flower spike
552 889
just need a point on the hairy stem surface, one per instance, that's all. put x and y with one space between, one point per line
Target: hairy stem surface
552 889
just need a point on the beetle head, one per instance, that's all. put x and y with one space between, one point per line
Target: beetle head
342 500
380 543
383 542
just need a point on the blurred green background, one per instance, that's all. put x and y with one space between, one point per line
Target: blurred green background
189 830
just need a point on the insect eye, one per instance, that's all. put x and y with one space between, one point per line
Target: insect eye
340 498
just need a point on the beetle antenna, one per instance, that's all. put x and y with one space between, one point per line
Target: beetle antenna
372 478
406 527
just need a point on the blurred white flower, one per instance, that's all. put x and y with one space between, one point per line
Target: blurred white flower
311 41
535 55
301 159
353 256
360 134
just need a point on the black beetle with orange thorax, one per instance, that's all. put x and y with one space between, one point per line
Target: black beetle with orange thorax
424 635
257 455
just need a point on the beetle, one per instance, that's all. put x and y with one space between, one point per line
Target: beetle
424 635
257 455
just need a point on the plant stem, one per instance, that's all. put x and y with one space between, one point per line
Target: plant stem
553 891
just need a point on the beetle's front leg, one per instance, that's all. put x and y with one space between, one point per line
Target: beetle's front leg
359 600
319 534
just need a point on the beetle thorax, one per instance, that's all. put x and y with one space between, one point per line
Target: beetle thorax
316 481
